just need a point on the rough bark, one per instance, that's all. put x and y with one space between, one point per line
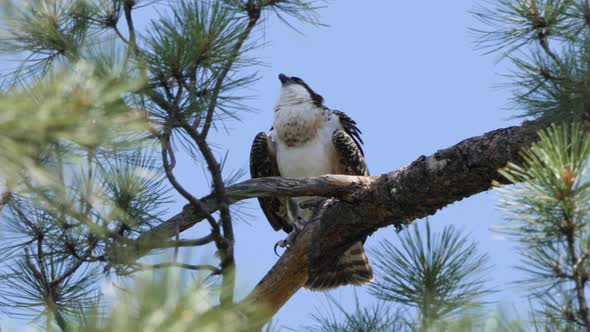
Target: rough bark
362 206
415 191
327 185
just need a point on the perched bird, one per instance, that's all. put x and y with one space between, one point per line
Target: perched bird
308 139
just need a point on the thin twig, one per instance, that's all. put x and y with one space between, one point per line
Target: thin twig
41 258
206 267
197 204
127 7
176 247
5 198
578 274
545 45
186 243
120 35
31 266
49 291
253 16
544 30
73 268
227 262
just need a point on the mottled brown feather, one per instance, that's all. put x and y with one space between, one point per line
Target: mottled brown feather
351 158
263 163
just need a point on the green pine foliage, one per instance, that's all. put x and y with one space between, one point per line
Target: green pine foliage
427 281
437 274
48 32
378 317
548 211
164 302
547 42
90 121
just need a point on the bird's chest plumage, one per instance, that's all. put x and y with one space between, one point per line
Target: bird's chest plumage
304 143
313 158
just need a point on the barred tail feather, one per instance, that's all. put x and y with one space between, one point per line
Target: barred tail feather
352 268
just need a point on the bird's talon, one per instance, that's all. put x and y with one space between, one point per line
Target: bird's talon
282 244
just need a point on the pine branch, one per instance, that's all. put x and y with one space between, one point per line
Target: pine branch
196 204
210 268
49 289
187 243
544 30
132 43
74 267
579 274
416 191
5 198
344 186
253 16
225 244
545 45
120 35
228 262
341 186
367 204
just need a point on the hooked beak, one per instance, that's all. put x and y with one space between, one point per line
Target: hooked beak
284 79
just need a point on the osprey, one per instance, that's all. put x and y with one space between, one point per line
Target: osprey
308 139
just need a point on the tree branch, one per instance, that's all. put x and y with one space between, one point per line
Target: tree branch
415 191
543 31
253 16
364 205
187 243
196 204
210 268
227 249
578 272
132 42
75 266
227 261
5 198
342 186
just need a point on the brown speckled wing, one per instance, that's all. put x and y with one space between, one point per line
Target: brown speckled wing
351 129
350 155
263 163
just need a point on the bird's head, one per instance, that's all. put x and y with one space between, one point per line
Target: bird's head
294 91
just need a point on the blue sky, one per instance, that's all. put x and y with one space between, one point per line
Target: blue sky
408 73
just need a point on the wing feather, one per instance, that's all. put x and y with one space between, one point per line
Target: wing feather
351 129
350 155
263 163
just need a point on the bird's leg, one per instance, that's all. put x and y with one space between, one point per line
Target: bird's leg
290 239
295 210
294 214
315 205
312 203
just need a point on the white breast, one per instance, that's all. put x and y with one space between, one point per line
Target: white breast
314 158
